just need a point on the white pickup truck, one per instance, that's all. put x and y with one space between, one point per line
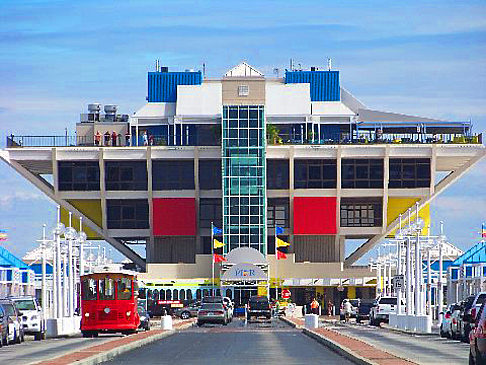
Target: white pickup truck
380 312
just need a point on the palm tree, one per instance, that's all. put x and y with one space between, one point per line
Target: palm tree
272 134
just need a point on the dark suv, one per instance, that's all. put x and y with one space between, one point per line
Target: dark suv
259 306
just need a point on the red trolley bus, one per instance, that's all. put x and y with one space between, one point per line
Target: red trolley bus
109 302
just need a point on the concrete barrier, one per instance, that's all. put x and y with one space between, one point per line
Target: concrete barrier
421 324
166 322
60 327
311 321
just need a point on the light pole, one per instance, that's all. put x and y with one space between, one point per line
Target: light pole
419 224
70 236
398 238
58 297
440 288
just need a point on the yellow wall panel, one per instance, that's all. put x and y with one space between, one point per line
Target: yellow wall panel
90 208
351 292
401 205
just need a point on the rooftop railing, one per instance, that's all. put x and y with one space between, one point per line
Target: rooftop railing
276 139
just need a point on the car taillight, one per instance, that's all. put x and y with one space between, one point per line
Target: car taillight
219 312
454 320
203 313
447 315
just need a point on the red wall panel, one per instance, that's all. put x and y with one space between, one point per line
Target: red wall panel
174 217
315 215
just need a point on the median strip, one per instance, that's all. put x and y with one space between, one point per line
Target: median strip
108 350
353 349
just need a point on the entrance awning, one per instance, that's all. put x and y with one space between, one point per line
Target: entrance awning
244 272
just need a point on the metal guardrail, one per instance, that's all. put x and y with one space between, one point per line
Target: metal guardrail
178 140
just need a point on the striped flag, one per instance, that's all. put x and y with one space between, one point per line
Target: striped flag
281 255
281 243
483 231
217 244
218 258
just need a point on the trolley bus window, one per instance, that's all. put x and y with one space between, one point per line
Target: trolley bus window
88 289
107 289
124 289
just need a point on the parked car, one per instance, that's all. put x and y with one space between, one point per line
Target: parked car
445 329
3 327
259 306
380 313
15 328
468 317
212 313
455 317
354 308
188 311
364 310
477 338
33 321
225 301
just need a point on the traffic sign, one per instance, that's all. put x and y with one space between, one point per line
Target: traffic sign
286 294
398 282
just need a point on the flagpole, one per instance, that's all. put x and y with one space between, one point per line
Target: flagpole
212 258
276 265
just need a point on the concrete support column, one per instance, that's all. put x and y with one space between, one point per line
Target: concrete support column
104 217
339 244
386 178
291 195
149 246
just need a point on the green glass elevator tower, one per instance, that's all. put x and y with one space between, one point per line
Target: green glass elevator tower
244 193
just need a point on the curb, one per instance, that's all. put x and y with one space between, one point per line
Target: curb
339 349
110 354
405 332
343 351
290 323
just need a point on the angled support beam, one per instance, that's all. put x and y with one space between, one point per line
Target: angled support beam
48 189
439 188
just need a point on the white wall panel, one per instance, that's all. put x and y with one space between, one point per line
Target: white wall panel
203 100
287 99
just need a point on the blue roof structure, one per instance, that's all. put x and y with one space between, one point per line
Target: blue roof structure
324 85
162 86
7 259
475 255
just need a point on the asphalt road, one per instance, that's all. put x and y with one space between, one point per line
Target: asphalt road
32 351
271 342
420 349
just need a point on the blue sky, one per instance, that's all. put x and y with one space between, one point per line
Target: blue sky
420 57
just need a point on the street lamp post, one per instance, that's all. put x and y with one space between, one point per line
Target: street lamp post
58 297
398 237
440 288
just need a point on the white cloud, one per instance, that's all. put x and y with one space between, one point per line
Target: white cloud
10 199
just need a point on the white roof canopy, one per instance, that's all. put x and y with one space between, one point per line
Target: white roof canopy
244 272
243 70
245 255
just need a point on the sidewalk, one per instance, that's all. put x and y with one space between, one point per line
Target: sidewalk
99 353
350 347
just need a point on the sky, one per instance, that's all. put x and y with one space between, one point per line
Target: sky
418 57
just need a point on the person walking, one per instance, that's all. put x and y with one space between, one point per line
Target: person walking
330 308
145 138
127 138
314 306
106 140
97 138
347 310
114 135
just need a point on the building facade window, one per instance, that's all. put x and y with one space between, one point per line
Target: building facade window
127 214
244 186
210 174
173 174
126 175
359 212
79 175
277 174
361 173
314 174
210 210
409 173
278 212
